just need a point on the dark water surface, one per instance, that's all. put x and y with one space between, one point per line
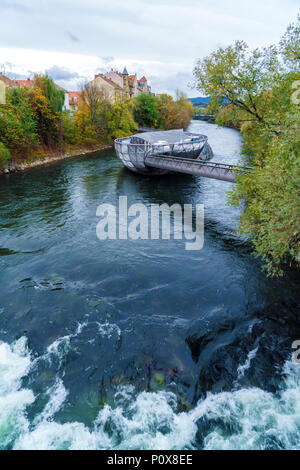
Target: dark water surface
139 344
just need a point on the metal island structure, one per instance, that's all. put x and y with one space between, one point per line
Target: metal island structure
179 151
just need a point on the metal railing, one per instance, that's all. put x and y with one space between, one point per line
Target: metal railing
168 156
219 171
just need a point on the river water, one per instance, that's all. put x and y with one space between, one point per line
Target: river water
139 344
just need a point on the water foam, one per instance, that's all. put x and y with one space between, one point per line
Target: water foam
244 367
242 419
62 345
14 364
109 330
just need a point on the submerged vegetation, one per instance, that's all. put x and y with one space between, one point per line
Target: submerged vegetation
34 125
262 88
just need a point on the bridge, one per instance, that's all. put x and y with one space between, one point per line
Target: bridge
218 171
177 151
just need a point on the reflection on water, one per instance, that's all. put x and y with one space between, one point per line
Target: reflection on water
125 339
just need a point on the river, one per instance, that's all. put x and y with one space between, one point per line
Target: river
139 344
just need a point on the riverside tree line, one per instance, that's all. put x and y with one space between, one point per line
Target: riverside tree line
33 124
262 90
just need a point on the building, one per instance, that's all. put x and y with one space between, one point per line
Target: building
66 106
117 86
30 84
143 85
114 85
111 90
8 82
116 77
74 100
24 83
5 82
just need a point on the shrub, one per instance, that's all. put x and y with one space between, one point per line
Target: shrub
4 155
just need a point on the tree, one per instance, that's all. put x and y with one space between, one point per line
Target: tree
48 122
19 99
94 99
70 129
55 96
146 113
259 86
86 130
241 77
290 46
4 155
185 109
174 114
122 123
17 123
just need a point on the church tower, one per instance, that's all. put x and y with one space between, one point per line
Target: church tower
125 82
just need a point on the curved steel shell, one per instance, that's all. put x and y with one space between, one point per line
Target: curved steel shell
133 151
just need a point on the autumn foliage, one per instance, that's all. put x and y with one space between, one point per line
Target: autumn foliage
33 123
162 111
263 89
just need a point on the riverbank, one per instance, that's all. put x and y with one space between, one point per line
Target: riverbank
25 165
105 340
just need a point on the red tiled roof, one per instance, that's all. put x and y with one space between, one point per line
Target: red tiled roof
143 80
115 71
60 88
7 80
74 93
25 83
30 84
72 96
131 78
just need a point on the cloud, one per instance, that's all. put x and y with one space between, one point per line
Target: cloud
172 82
14 6
108 59
72 37
160 39
61 73
68 79
16 76
158 30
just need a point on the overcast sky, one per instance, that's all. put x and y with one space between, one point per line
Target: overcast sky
74 39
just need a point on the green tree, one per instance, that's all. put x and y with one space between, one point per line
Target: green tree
4 155
122 123
240 77
19 99
146 113
12 133
54 95
70 129
259 87
174 114
47 102
290 46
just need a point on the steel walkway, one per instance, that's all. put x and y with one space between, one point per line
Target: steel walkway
218 171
